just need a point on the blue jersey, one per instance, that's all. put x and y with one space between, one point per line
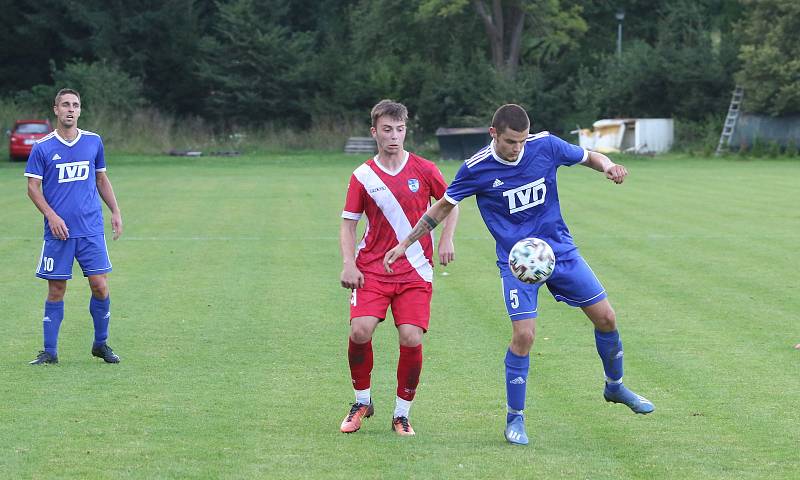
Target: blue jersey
520 199
68 174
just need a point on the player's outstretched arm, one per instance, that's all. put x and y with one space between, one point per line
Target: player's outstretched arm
433 217
614 172
57 225
351 276
107 194
446 247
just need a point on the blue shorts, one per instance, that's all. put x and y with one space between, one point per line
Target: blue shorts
55 262
572 282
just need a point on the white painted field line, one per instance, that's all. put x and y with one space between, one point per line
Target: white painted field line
326 238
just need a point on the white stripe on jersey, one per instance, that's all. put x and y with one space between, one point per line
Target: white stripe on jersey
394 214
46 137
351 215
481 154
488 151
536 136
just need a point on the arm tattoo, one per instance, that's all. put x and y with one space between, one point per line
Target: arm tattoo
430 221
424 226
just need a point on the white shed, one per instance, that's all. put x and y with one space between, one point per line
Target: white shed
630 135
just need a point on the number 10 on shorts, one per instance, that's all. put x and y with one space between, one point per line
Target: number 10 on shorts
47 264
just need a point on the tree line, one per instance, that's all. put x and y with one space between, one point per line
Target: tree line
296 63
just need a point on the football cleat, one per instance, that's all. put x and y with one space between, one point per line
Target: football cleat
515 431
104 351
635 402
401 427
44 358
358 411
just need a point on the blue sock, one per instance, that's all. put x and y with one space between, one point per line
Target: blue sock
516 381
101 314
51 323
609 347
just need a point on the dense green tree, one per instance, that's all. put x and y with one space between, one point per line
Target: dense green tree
32 36
683 71
452 62
159 42
256 66
516 29
770 56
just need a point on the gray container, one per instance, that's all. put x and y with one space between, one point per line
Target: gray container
462 143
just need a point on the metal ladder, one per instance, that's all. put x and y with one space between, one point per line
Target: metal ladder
730 121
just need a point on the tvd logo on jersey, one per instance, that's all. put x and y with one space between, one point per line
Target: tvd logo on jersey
73 171
526 196
413 184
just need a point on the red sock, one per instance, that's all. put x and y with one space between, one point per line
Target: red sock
360 357
409 367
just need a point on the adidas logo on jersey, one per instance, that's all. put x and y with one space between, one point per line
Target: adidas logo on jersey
496 183
56 157
517 381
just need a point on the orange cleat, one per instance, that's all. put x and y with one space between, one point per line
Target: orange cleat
352 422
401 427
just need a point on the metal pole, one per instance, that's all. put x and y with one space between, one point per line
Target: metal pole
620 15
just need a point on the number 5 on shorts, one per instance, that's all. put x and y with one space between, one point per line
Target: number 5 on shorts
513 298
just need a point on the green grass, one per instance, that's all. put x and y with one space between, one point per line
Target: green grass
232 330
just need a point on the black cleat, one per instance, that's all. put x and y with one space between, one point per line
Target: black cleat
104 351
44 358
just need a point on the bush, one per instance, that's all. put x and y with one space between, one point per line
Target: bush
698 137
103 86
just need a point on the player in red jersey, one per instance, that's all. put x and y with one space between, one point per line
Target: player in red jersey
394 190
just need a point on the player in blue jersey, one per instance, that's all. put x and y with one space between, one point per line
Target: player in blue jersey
66 173
514 182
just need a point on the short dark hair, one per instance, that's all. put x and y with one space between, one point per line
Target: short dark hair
66 91
511 116
395 110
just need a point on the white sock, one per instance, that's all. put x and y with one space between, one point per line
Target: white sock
402 407
363 396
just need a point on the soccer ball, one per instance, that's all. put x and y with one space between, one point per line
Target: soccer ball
532 260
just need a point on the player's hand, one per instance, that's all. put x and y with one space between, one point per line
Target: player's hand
116 224
616 173
391 256
352 277
447 252
58 227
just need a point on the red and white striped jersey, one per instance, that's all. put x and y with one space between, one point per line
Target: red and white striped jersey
394 202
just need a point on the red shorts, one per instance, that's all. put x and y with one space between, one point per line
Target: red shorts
410 301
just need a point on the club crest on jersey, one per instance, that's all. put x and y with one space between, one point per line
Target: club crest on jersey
413 184
73 171
526 196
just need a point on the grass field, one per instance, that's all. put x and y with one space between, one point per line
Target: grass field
232 330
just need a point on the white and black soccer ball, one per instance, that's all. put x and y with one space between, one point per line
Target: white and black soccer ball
532 260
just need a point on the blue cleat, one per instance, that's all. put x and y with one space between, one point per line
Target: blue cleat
635 402
515 431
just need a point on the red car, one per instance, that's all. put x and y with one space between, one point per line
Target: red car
24 135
